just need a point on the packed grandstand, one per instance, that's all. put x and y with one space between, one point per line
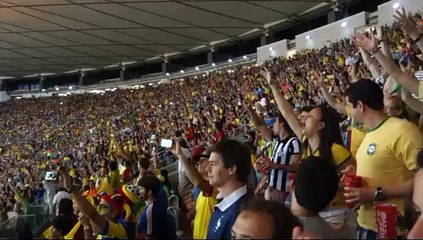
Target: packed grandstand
323 144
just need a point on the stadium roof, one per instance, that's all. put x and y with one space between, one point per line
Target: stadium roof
57 36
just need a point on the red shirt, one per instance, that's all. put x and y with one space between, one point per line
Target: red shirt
127 175
218 135
190 133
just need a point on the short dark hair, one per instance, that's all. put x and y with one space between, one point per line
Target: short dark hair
113 166
128 163
218 125
283 220
316 183
307 108
151 182
64 223
281 119
366 91
66 206
237 154
144 163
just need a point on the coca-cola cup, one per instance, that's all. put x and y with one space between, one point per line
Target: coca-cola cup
352 181
386 219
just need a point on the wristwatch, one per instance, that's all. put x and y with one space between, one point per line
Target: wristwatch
379 194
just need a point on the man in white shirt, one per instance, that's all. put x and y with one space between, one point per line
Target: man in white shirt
228 171
61 194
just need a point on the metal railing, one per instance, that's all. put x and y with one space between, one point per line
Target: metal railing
34 219
174 213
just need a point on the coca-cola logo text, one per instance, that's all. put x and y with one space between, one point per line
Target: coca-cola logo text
382 223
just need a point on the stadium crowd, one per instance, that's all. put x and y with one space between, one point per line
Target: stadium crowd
290 132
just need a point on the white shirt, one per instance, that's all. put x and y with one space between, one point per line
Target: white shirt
231 199
263 102
58 197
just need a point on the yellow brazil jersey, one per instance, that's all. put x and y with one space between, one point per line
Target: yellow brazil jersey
204 209
356 134
114 230
340 155
387 157
356 137
115 179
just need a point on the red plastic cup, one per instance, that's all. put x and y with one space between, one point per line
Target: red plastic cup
260 166
352 181
386 219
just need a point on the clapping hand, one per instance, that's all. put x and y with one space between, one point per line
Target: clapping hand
407 24
266 74
369 44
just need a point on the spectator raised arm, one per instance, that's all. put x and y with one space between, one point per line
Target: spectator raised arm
84 205
413 103
257 121
370 44
329 99
409 27
192 173
371 64
283 105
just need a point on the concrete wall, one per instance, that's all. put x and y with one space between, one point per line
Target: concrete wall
276 49
386 11
4 97
333 32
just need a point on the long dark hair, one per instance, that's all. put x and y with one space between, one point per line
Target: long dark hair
330 134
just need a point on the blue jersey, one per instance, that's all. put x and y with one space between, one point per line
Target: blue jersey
154 222
195 192
225 214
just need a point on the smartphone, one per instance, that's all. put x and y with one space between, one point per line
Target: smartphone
51 176
166 143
